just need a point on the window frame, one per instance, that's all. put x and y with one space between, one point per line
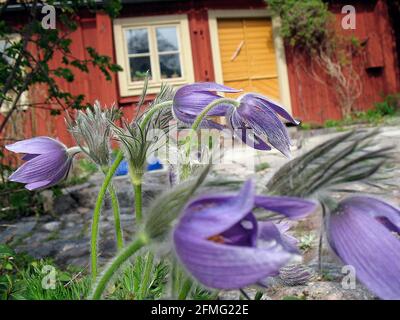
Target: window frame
133 88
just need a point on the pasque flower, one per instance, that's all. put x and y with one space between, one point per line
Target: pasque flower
220 242
91 131
253 118
48 162
191 99
364 232
260 115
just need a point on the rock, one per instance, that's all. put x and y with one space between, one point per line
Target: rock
323 290
237 295
64 204
47 200
51 226
17 230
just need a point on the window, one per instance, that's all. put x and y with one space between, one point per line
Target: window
160 45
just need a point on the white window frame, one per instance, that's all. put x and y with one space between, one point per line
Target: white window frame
134 88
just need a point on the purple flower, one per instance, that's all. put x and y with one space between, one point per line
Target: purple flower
220 242
364 233
191 99
48 162
260 115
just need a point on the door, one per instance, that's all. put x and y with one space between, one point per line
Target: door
248 56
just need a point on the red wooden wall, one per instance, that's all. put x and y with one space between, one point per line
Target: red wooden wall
311 101
315 102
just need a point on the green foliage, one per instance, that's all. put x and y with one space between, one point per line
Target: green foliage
306 242
331 166
381 112
16 201
21 69
304 23
262 166
389 106
129 286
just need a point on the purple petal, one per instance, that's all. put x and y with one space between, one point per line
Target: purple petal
378 209
271 231
206 86
269 103
42 167
228 267
293 208
38 145
263 121
29 156
244 233
193 103
362 242
208 216
239 130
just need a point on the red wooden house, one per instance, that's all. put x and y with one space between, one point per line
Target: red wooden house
232 42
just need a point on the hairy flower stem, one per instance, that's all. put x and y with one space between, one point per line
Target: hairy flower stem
96 213
152 111
195 127
100 197
138 202
117 219
140 241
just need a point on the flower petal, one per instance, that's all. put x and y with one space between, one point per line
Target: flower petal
264 122
42 167
239 130
362 242
227 267
292 208
193 103
271 231
211 215
206 86
244 233
37 145
380 210
269 103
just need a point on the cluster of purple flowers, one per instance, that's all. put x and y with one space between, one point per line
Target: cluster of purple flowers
218 238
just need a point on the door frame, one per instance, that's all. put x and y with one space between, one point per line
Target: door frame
283 79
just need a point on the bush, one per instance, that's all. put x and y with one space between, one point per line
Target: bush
389 106
304 23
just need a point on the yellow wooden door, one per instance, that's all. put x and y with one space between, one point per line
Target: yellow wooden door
248 55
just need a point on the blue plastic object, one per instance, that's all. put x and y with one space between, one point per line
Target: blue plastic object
122 169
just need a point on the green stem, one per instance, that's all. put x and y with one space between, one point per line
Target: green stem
195 127
117 219
96 213
104 187
119 260
152 111
138 201
185 290
144 289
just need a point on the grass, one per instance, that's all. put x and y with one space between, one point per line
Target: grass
381 113
24 278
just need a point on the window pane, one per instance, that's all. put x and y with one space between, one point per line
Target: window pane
167 39
137 41
170 66
138 67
